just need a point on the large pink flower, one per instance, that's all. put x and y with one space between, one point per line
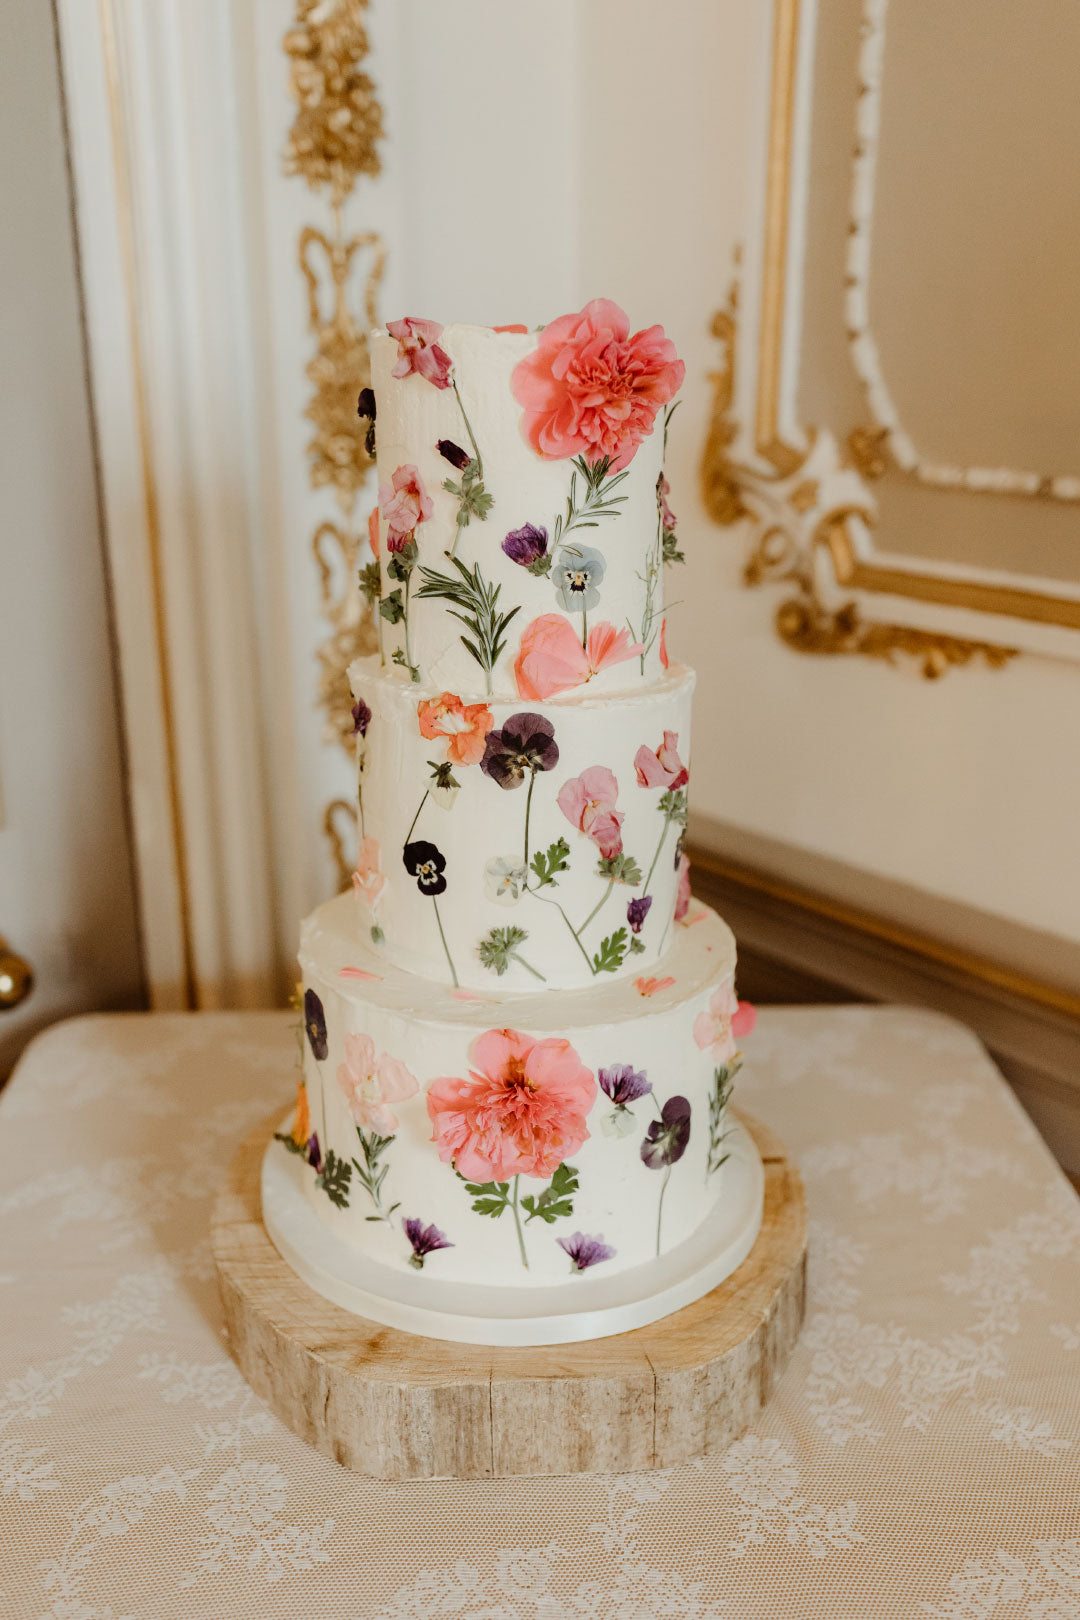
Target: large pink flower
551 658
404 503
662 768
465 726
726 1020
370 1082
588 802
589 388
520 1112
368 880
420 351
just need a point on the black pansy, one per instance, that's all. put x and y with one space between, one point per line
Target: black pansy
426 864
453 453
666 1138
315 1025
526 744
365 405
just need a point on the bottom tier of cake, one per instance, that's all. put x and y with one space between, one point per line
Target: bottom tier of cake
522 1141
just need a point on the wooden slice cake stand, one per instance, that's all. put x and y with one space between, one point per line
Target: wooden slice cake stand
399 1406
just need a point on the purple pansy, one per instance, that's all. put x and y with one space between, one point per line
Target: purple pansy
454 454
526 744
361 716
637 911
666 1138
623 1084
424 1240
313 1152
585 1251
315 1025
526 545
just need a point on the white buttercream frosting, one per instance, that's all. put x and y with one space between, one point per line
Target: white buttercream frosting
632 1207
489 882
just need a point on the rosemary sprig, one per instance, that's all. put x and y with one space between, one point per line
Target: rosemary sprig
723 1082
475 605
598 501
371 1174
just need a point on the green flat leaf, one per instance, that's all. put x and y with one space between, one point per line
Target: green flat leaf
392 608
611 953
546 863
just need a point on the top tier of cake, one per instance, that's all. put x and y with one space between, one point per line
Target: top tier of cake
522 519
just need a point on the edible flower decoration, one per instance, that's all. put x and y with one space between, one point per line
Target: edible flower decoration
585 1251
404 503
426 863
588 803
524 745
423 1240
667 1137
551 658
505 879
576 573
315 1025
662 767
636 912
464 726
419 351
370 1082
368 880
624 1085
528 547
723 1024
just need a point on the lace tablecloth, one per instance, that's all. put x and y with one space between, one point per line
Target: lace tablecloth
921 1457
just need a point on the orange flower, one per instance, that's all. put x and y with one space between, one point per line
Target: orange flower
465 726
301 1129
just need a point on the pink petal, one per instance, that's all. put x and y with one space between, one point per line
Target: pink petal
357 973
744 1020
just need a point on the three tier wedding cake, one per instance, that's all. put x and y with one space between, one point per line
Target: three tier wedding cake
519 1030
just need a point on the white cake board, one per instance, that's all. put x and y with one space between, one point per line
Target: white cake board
585 1307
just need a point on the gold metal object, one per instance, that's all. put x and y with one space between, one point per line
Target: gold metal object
339 813
16 977
824 546
333 141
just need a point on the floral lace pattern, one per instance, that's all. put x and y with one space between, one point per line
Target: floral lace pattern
920 1456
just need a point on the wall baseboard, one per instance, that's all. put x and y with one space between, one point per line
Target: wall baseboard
797 946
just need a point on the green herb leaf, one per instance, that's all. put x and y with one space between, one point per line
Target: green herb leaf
475 605
546 863
496 948
334 1179
621 868
554 1202
392 608
370 582
611 953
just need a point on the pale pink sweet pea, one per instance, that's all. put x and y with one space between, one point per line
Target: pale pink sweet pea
404 503
726 1021
368 880
590 388
588 803
370 1082
551 658
521 1111
419 350
661 767
682 890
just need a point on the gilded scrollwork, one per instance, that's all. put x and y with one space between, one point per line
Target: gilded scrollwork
802 533
333 142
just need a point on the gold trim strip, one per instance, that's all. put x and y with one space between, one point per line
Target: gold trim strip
785 55
125 211
987 972
1036 606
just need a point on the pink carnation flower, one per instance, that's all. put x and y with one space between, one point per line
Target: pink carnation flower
663 768
404 503
726 1020
420 351
551 658
589 388
520 1112
682 891
369 1083
588 802
368 880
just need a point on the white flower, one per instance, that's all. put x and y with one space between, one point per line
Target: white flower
620 1122
505 879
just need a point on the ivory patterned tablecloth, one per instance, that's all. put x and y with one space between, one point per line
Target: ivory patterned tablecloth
921 1457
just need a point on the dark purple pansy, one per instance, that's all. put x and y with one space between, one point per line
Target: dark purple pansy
526 545
585 1251
454 454
666 1138
313 1152
315 1025
423 1239
365 405
526 744
637 911
426 864
361 718
623 1084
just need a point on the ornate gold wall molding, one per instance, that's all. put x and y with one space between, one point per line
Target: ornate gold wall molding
802 503
333 141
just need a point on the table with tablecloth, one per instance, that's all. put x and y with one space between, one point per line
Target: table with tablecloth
920 1457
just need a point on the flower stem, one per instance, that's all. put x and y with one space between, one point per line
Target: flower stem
584 626
445 946
568 923
360 807
517 1223
469 431
656 857
416 818
408 653
602 901
529 967
528 807
660 1206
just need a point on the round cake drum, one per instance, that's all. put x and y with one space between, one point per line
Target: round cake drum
585 1307
330 1357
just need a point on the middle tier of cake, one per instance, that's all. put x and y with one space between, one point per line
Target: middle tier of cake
534 843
